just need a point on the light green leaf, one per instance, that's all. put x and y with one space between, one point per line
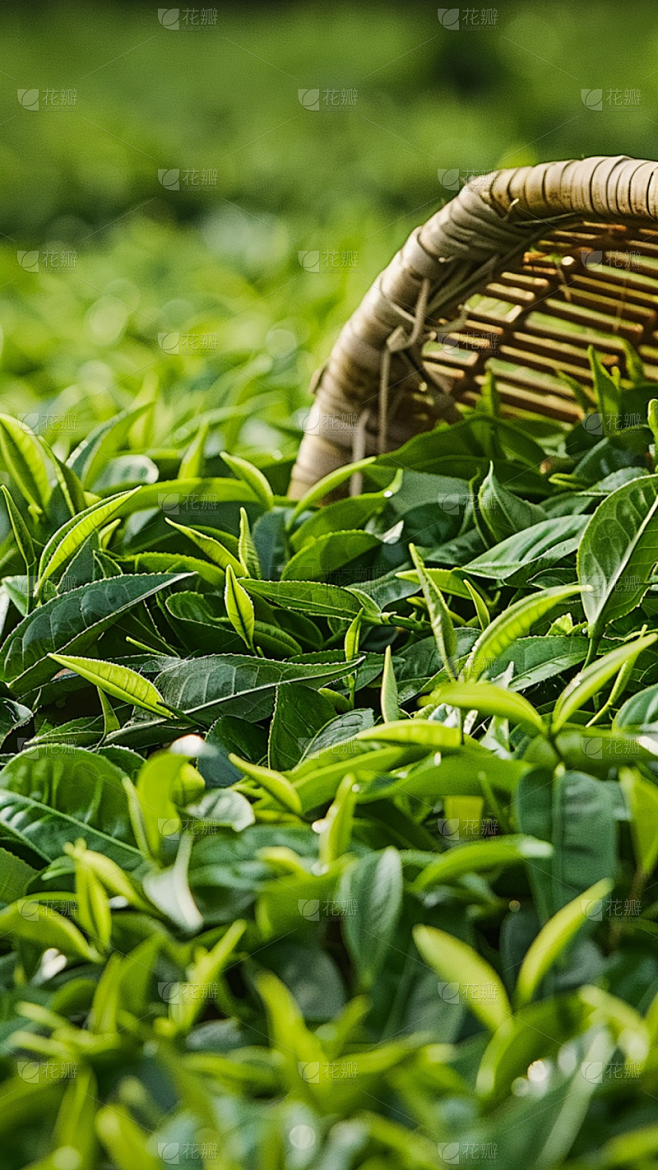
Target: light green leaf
119 681
337 823
640 712
93 906
29 921
299 1047
442 625
247 549
219 808
68 539
554 937
239 608
94 452
642 800
213 549
478 856
512 624
72 622
177 562
483 615
351 641
273 782
458 963
447 580
389 691
537 547
251 476
608 393
328 553
590 680
20 530
187 1006
12 715
193 462
504 513
155 787
14 876
350 513
23 458
328 484
490 700
421 732
70 487
49 796
126 1142
169 890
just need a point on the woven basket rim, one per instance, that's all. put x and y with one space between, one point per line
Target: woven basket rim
482 231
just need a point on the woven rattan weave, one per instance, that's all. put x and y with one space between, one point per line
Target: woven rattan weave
518 274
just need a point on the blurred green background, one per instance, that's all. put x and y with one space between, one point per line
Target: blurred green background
119 282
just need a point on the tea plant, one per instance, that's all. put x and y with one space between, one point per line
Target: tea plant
329 831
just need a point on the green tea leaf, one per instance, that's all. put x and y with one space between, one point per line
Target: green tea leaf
119 681
328 553
155 788
512 624
642 800
618 552
15 874
72 622
422 732
640 712
590 680
328 484
177 563
169 890
537 547
89 458
374 886
212 548
272 781
299 714
479 856
490 700
389 691
193 462
308 597
23 459
239 608
251 476
446 580
442 625
483 615
503 513
27 920
553 939
208 966
20 530
247 548
475 979
68 539
348 514
49 796
337 824
607 391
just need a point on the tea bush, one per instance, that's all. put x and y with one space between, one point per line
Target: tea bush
329 832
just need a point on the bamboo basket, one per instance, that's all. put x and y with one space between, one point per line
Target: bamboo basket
518 274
